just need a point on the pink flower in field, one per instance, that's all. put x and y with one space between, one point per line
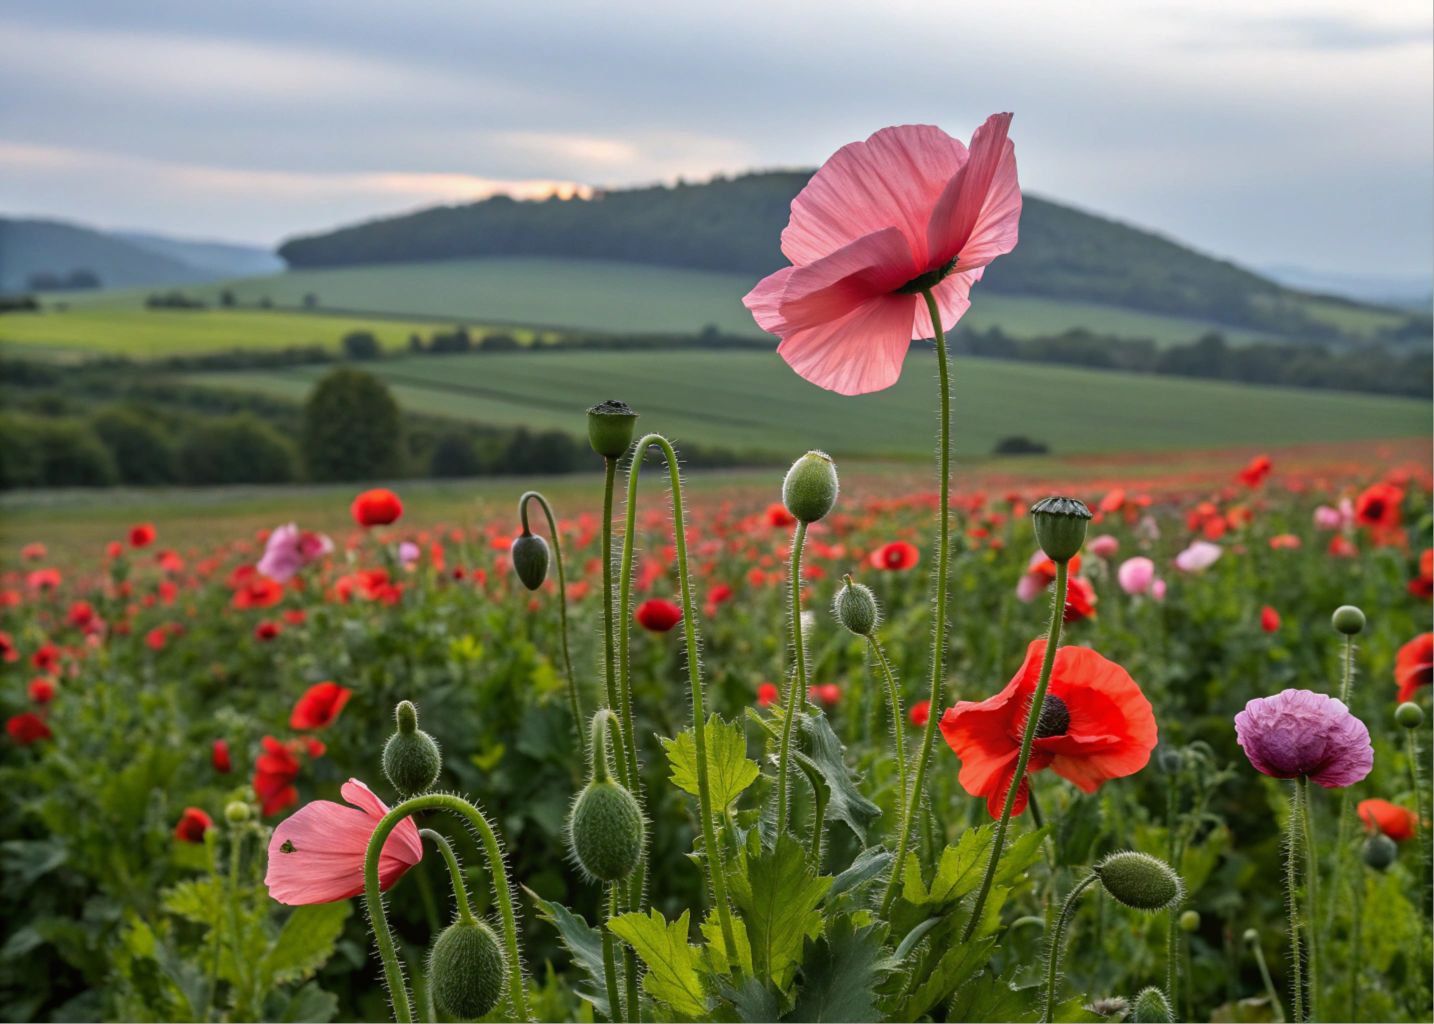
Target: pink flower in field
1029 587
1201 554
1104 546
1157 590
408 553
908 209
1301 733
317 854
1135 575
289 549
1326 518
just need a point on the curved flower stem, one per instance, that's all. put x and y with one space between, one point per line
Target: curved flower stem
1053 959
1311 891
1038 699
562 607
1277 1005
895 696
460 892
1292 852
797 689
392 972
938 632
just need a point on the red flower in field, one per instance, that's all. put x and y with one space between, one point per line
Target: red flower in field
317 855
1254 474
34 552
1113 500
1394 821
657 615
193 823
920 713
378 507
81 614
897 556
319 706
1080 600
1414 665
114 549
168 591
157 637
1341 546
295 616
27 728
1379 507
1269 619
1285 541
256 591
170 561
274 775
46 658
44 579
909 208
41 690
8 650
828 693
777 515
141 535
1422 586
767 694
267 630
1095 725
718 593
219 757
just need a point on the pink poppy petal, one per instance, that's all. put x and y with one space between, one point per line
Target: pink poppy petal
965 207
952 299
764 299
890 180
834 285
403 842
861 352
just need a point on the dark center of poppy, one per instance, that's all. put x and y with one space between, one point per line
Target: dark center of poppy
930 279
288 846
1375 509
1055 718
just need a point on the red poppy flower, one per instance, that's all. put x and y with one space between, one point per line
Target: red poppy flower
1080 600
42 690
1113 500
81 614
718 593
256 591
47 658
378 507
920 713
8 650
274 775
1269 619
1341 546
767 694
897 556
1394 821
170 561
1285 541
1422 586
827 693
1254 474
1379 507
114 549
157 637
1414 665
34 552
295 616
777 515
266 631
142 535
1095 725
27 728
220 757
193 823
319 706
658 615
44 579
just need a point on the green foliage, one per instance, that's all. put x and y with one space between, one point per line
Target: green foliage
583 943
778 893
351 428
235 450
841 971
38 452
672 974
141 451
729 770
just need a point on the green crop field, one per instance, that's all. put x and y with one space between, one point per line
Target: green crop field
753 401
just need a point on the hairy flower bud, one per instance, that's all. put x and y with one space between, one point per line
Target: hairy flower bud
411 759
530 559
1151 1007
1060 525
1409 715
236 812
1140 881
610 428
1169 760
1190 921
606 830
466 970
1380 851
855 608
810 489
1348 619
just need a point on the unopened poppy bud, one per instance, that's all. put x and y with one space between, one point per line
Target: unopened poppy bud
1169 760
411 759
1151 1007
1140 881
605 827
1252 937
1190 921
1409 715
810 489
236 812
1060 525
610 427
1348 619
855 608
466 970
530 559
1380 851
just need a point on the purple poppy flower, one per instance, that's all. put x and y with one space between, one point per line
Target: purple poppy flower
1301 733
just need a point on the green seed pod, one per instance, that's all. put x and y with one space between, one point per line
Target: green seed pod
855 608
1140 881
610 427
530 559
1252 937
1151 1007
810 489
606 830
1348 619
466 970
1409 715
411 759
236 812
1380 851
1060 525
1190 921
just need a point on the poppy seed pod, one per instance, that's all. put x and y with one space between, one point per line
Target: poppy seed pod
1348 619
810 489
1140 881
530 559
1380 851
1409 715
1151 1007
1060 525
236 812
855 608
410 758
610 428
466 970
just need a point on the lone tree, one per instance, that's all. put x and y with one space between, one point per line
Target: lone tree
351 428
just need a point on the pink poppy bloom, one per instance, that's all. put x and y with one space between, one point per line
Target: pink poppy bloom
1104 546
1301 733
1201 554
408 553
1136 574
317 854
908 209
1029 587
289 549
1326 518
1157 590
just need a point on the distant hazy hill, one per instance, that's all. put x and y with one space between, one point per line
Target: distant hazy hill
223 259
735 225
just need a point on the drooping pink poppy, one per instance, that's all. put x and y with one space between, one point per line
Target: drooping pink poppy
908 209
317 854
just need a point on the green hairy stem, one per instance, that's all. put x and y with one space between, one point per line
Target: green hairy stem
797 689
562 607
1311 891
1292 852
1053 958
460 892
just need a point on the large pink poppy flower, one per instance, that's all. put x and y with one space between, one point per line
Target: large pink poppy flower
317 854
910 208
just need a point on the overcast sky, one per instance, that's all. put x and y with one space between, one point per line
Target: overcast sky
1269 132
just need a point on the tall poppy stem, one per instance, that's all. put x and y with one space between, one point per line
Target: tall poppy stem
1053 958
1292 895
1038 699
1311 890
894 695
796 690
607 633
938 633
562 608
1346 808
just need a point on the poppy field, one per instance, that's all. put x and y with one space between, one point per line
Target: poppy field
840 749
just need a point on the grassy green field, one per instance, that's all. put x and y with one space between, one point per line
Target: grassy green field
752 400
587 295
